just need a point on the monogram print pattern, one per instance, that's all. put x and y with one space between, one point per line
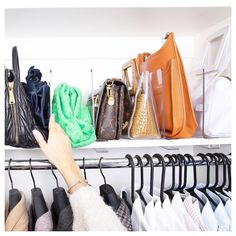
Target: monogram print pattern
111 118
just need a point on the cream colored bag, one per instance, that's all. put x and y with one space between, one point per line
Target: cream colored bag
216 121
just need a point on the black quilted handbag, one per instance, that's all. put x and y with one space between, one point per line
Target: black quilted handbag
19 120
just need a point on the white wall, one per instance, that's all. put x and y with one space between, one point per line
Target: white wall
71 59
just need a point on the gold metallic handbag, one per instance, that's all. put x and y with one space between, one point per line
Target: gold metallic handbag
143 120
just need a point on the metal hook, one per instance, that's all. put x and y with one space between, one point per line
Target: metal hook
9 172
166 36
100 167
85 176
54 176
31 173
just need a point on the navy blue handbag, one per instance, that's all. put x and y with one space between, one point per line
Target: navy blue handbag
38 95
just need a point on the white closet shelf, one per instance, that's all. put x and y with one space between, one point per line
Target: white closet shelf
124 143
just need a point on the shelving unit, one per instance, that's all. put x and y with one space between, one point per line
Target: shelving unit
69 35
124 143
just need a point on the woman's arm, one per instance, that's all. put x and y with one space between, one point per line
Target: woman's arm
90 211
59 152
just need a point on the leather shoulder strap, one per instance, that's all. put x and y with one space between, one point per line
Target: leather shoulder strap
15 62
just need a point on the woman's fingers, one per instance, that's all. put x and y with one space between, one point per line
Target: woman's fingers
52 123
39 138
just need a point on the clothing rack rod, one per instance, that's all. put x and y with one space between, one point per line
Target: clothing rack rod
91 163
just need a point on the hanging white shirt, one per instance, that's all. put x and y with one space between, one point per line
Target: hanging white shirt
228 193
153 212
227 203
180 210
137 213
192 207
175 223
149 222
208 215
222 217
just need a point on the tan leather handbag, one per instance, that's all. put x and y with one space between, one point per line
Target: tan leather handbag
178 120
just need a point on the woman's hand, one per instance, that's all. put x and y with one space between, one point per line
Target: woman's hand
59 152
58 148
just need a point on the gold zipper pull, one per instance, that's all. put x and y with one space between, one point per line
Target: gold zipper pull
111 99
96 101
11 93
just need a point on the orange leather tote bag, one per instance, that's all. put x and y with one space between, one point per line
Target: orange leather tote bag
175 113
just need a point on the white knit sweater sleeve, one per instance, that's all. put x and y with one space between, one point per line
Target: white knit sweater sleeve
91 213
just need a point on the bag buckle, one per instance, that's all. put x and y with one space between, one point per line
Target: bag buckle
111 98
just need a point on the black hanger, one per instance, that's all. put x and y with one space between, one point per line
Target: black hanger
191 190
85 176
60 199
204 189
220 188
185 173
182 163
39 206
191 160
150 161
162 186
172 163
214 160
108 193
139 191
179 161
131 163
204 158
228 161
14 194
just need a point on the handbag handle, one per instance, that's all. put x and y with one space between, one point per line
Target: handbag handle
135 75
141 58
15 62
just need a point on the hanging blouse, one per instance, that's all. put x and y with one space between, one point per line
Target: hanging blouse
179 208
192 207
222 217
208 215
159 222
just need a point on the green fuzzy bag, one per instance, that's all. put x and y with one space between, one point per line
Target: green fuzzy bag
72 116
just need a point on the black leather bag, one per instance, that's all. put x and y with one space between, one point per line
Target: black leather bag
19 120
38 94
